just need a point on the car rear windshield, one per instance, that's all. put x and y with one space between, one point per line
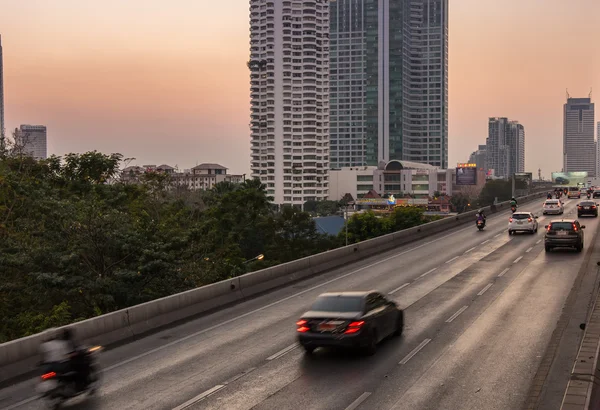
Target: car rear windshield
587 203
596 194
521 216
338 304
573 189
562 226
555 202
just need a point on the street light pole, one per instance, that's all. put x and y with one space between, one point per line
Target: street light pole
346 209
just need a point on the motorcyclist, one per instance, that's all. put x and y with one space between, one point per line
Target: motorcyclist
79 361
549 196
55 352
513 202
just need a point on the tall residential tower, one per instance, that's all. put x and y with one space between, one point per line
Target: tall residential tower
505 147
579 153
389 82
289 64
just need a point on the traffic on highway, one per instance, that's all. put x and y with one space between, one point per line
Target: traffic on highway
459 320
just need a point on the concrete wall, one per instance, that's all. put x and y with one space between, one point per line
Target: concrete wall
18 357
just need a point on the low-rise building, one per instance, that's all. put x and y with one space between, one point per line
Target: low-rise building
201 177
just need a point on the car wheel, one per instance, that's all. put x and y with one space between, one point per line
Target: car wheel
580 247
372 346
399 324
548 249
309 349
510 232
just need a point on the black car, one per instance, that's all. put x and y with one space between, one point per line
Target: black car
596 194
564 233
349 319
587 208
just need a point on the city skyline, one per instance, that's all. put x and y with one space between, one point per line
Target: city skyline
192 111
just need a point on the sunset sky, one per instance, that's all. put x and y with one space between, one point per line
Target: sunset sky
167 82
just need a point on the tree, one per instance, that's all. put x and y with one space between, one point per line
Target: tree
459 202
495 189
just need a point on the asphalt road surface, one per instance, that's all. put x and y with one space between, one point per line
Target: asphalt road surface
480 308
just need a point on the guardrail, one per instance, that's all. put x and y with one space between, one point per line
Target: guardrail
18 357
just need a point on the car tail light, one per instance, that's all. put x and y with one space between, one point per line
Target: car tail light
579 207
575 227
354 327
302 328
510 220
593 206
549 227
48 375
529 219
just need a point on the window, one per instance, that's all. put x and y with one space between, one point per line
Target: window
338 304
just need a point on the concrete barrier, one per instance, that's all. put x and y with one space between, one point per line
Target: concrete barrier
17 356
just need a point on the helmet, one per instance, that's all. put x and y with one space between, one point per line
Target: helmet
480 211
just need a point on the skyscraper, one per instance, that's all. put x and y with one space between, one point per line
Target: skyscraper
479 157
598 151
2 125
32 140
389 81
505 153
289 64
578 136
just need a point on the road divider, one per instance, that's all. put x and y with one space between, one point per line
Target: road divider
18 357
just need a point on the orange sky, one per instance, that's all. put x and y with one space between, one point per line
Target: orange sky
167 82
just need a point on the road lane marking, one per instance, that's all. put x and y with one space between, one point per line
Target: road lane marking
200 397
484 242
503 272
498 235
428 272
538 241
398 288
452 260
283 351
415 351
454 316
467 251
529 250
21 403
358 401
489 285
518 259
239 376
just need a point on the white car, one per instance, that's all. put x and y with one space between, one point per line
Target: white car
553 206
522 222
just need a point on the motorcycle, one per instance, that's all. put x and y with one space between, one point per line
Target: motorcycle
513 208
480 224
56 388
589 196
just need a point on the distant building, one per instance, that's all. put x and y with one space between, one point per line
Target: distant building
505 147
478 157
598 151
579 149
2 125
201 177
32 140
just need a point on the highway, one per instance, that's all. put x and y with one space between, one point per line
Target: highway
480 310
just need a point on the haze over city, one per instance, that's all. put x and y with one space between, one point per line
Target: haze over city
168 82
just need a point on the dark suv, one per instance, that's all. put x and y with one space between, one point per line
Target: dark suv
564 233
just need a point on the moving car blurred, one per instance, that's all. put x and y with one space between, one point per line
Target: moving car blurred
587 208
522 222
349 319
564 233
553 206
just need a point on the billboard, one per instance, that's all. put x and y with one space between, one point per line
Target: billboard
466 174
523 183
570 178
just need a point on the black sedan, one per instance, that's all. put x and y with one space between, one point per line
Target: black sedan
349 319
587 208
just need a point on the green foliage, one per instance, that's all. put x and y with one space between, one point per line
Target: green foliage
495 189
75 242
459 202
323 208
368 225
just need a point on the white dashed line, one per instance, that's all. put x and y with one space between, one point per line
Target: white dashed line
529 250
484 242
518 259
503 272
428 272
283 351
239 376
358 401
415 351
452 260
489 285
497 235
469 250
398 288
200 397
538 241
21 403
454 316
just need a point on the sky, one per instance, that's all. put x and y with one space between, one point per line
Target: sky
167 82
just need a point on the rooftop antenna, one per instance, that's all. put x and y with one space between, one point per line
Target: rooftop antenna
568 96
590 93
